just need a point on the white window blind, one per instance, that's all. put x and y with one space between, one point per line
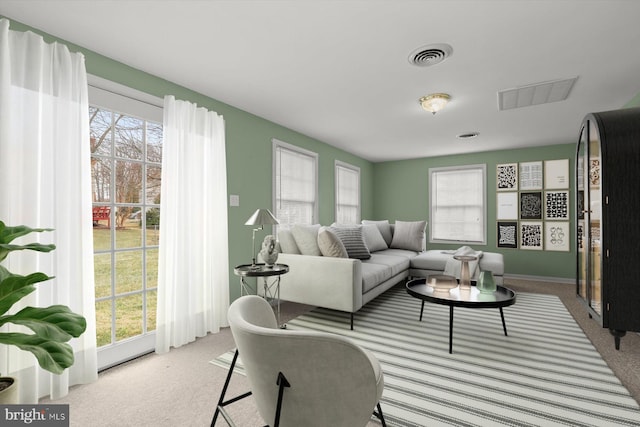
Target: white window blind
347 193
457 204
295 177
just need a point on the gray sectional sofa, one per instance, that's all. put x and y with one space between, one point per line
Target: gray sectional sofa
344 267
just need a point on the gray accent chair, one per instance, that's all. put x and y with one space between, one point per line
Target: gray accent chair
304 378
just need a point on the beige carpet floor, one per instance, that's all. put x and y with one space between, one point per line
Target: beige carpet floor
181 388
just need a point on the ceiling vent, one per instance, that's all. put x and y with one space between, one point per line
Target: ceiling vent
432 54
535 94
467 135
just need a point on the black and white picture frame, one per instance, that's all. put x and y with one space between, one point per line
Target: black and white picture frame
531 175
507 234
531 205
556 205
531 235
507 205
556 236
507 177
556 174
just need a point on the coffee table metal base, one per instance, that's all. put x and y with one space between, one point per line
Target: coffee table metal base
503 297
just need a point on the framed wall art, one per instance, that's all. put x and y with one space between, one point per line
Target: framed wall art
507 205
507 177
556 205
531 176
507 234
531 234
556 174
556 236
531 205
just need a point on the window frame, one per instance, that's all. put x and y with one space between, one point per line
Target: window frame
114 97
281 145
340 164
432 222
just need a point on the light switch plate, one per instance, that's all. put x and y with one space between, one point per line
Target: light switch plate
234 200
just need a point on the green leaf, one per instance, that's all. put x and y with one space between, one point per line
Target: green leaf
53 323
14 287
8 234
53 356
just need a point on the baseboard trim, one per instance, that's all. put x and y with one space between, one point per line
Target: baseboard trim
563 280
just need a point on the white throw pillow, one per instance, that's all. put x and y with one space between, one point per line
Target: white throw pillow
306 237
373 238
287 242
384 227
408 235
330 244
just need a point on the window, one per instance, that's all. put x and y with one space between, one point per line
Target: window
457 204
126 163
295 184
347 193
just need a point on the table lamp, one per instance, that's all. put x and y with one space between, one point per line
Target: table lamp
260 217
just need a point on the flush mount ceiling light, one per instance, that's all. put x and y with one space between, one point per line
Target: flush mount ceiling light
434 102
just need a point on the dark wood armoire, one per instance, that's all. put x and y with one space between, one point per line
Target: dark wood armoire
608 219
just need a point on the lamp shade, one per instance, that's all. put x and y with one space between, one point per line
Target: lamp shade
261 217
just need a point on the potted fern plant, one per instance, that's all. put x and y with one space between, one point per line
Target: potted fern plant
52 326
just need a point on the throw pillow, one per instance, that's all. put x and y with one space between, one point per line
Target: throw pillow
373 238
330 244
408 235
306 237
384 227
351 238
287 242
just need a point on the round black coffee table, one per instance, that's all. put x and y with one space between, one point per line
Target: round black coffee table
502 297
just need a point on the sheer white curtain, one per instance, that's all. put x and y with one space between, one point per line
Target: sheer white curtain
45 181
193 264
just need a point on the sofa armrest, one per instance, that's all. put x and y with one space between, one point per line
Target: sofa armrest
334 283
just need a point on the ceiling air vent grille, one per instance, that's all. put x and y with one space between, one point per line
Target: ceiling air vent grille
535 94
426 56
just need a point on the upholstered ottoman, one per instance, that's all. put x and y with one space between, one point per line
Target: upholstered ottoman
434 262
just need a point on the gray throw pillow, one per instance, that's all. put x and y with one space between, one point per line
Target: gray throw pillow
351 238
373 238
408 235
306 237
330 244
384 227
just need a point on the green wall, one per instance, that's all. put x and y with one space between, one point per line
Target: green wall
248 151
402 192
390 190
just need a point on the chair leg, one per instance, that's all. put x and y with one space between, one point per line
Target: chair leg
379 415
221 401
282 383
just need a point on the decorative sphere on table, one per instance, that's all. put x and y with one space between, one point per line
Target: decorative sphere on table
269 252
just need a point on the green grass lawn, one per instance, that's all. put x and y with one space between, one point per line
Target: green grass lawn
124 299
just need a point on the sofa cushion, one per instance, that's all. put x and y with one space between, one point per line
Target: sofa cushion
306 237
373 238
374 274
431 260
396 263
330 244
287 242
408 235
384 227
352 240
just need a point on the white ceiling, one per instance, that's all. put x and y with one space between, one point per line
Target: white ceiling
339 71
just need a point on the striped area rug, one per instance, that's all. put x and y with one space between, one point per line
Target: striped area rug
545 373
